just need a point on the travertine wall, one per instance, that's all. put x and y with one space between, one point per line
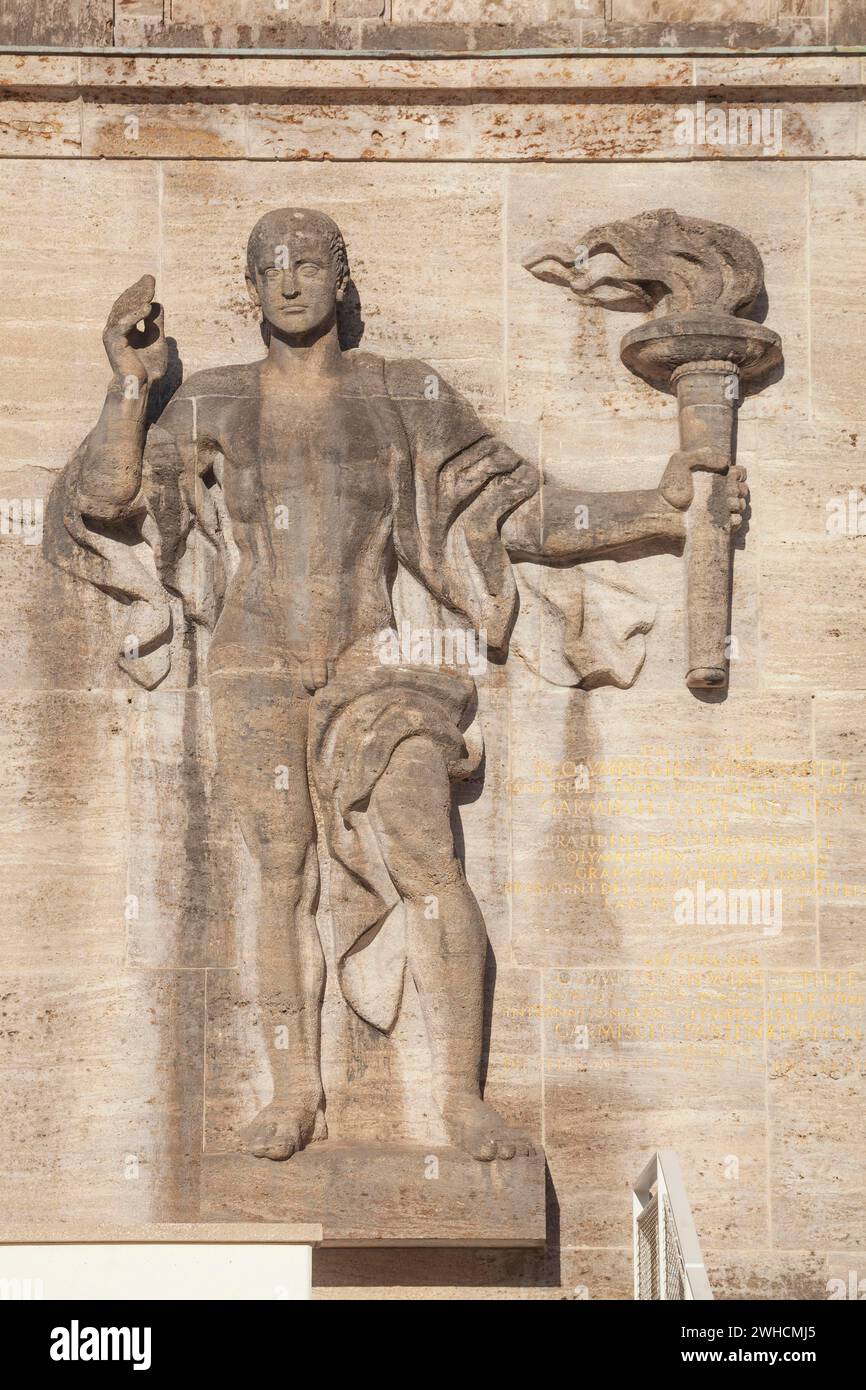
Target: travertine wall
446 25
123 1025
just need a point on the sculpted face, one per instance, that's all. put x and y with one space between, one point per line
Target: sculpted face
294 272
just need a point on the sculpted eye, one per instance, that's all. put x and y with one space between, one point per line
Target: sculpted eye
309 268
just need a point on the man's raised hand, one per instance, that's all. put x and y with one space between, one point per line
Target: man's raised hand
140 354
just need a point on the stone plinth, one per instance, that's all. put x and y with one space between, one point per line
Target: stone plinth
383 1195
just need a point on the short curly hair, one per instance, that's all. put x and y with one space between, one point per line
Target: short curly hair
272 228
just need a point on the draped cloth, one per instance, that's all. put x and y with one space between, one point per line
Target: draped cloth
453 485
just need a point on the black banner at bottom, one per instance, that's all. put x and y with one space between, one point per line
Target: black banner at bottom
80 1339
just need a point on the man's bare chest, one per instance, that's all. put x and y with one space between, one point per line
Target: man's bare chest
304 452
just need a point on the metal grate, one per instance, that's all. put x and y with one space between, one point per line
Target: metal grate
648 1251
675 1273
668 1264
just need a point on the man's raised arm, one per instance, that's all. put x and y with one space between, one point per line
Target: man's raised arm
110 460
563 523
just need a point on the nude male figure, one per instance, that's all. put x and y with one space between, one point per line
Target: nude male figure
371 469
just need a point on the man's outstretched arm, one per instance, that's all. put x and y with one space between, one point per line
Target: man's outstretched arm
111 459
562 523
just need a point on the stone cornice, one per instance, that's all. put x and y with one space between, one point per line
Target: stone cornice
486 109
812 76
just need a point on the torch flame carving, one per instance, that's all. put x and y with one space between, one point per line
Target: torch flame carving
695 279
659 262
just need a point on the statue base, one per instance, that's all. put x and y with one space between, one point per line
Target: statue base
375 1194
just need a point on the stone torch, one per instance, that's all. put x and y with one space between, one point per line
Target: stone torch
695 278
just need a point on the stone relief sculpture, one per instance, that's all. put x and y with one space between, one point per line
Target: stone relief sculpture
285 501
693 277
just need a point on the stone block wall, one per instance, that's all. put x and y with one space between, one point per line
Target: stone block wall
125 1046
446 25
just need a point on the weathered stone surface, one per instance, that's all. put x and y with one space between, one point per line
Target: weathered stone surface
200 130
792 632
52 23
247 12
846 22
633 11
367 1274
840 753
111 207
412 1196
748 34
445 25
39 128
794 1274
63 836
737 1045
360 9
476 1275
838 296
510 13
815 1054
626 1054
124 1052
597 870
186 866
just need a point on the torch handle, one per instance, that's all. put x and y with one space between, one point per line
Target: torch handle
708 578
706 392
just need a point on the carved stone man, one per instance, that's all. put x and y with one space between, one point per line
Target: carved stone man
280 499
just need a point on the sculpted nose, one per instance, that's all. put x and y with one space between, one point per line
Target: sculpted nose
290 284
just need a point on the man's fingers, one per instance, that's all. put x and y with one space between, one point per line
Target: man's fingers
314 674
152 331
739 492
126 324
131 306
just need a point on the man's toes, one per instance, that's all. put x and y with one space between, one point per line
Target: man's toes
268 1140
275 1149
261 1148
505 1149
485 1148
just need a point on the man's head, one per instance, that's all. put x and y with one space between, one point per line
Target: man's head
297 269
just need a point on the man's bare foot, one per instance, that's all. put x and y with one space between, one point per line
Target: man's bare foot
284 1128
475 1126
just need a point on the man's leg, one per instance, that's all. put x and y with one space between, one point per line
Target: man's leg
261 733
410 812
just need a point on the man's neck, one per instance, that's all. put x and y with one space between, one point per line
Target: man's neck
308 359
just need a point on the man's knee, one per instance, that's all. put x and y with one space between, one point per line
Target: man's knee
275 849
413 820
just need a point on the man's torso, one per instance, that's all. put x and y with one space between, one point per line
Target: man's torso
306 481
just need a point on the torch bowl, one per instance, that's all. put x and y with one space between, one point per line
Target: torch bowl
654 350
